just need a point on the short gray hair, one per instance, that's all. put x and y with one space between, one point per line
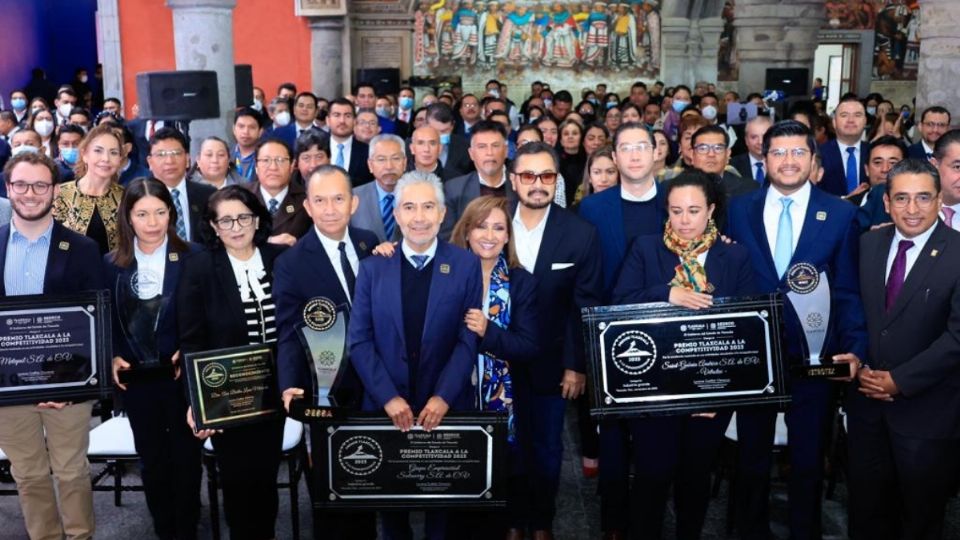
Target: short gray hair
419 177
387 137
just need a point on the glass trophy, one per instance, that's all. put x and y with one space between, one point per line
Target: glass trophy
140 302
810 296
323 334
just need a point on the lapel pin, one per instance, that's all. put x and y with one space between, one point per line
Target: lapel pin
64 246
289 208
821 216
934 253
174 257
363 245
444 268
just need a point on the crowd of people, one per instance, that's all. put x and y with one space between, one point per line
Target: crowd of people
465 232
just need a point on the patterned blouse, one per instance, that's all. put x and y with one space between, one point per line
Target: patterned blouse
75 210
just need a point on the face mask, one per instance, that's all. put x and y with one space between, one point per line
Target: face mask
594 100
18 104
494 92
257 104
84 79
611 104
679 106
43 127
872 111
709 112
24 149
406 103
282 118
383 112
70 155
444 138
64 109
548 103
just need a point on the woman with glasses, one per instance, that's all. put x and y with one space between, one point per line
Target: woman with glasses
143 272
213 166
229 286
687 266
89 205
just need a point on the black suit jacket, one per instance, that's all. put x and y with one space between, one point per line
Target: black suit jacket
71 262
459 192
742 164
197 196
917 340
835 167
458 159
917 151
291 216
520 341
569 277
359 169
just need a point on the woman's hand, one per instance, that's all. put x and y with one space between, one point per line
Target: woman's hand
119 364
476 322
175 360
385 249
203 433
680 296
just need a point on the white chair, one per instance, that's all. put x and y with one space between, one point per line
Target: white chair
111 443
294 452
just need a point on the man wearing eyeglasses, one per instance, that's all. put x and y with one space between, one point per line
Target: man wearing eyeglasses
787 223
387 163
562 251
41 256
711 154
282 198
168 162
934 122
904 410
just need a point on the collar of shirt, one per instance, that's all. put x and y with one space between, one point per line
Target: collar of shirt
754 161
248 274
648 196
843 150
912 254
17 236
503 179
801 198
518 222
408 252
346 142
182 186
926 148
331 246
919 240
238 155
155 260
381 193
279 196
300 128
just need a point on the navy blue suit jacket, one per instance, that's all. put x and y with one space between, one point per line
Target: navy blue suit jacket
829 241
650 266
916 151
301 274
604 211
835 167
69 269
873 212
448 351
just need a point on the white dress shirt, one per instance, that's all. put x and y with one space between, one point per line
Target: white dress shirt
526 242
279 196
926 148
347 151
248 274
150 270
184 204
771 214
332 248
753 167
648 196
408 252
844 156
919 241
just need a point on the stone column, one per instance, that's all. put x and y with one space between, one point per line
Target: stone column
775 34
674 41
939 56
109 22
327 53
203 40
705 64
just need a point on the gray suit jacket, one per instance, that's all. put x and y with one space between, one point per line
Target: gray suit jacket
368 212
458 193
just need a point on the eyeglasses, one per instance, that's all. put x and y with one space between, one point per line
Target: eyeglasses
164 154
781 153
923 200
278 161
546 178
636 147
226 223
938 125
39 188
704 149
367 123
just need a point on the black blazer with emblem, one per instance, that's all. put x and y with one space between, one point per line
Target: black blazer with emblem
302 273
69 269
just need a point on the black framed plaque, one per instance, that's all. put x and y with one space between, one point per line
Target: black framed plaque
54 348
660 358
233 386
364 462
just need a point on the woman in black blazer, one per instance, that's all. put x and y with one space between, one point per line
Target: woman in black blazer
142 274
228 287
688 266
507 328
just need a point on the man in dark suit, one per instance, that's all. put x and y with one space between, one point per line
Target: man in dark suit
750 163
408 340
787 223
40 256
934 122
454 154
904 410
345 151
282 198
377 199
168 161
469 113
304 113
562 252
844 157
885 152
488 151
635 207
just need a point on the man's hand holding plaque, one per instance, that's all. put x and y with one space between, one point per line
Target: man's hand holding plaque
400 413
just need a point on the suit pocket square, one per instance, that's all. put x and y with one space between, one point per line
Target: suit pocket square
560 266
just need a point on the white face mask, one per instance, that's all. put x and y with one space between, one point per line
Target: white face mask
64 109
83 79
709 112
282 118
24 149
43 127
257 104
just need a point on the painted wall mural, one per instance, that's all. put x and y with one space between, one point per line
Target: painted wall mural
468 37
728 62
896 23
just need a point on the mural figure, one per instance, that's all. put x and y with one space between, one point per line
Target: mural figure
623 44
514 47
491 24
597 36
561 44
897 45
465 34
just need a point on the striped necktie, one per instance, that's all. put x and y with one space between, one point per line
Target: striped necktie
386 213
181 223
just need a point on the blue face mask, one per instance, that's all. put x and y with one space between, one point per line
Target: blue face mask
70 155
611 104
679 106
383 112
406 103
444 138
18 104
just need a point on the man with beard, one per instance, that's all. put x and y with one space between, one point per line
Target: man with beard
387 163
346 151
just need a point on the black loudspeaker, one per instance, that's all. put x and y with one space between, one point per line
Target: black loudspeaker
243 76
384 80
178 95
791 81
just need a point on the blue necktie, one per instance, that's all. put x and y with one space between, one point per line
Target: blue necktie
339 162
420 261
181 224
386 213
273 207
783 250
760 176
853 176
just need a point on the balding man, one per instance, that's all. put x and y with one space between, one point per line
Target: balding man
424 154
750 164
387 163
